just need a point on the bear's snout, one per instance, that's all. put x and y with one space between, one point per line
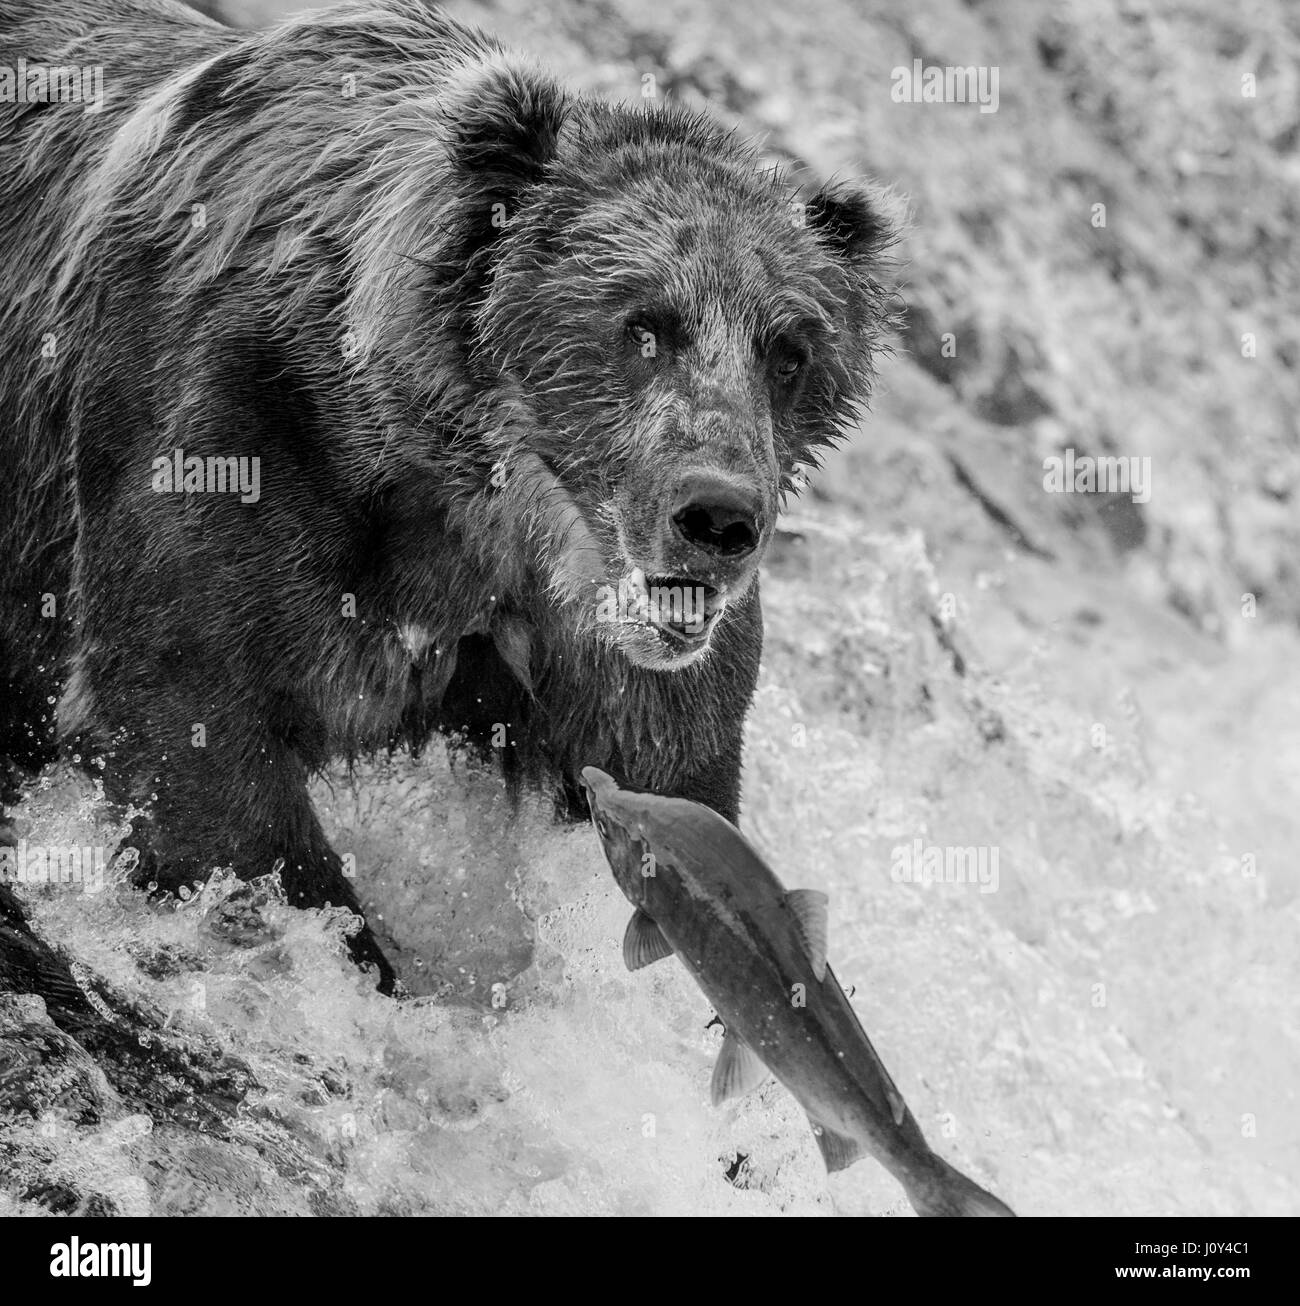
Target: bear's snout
718 515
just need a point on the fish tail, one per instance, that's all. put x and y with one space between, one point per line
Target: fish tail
946 1191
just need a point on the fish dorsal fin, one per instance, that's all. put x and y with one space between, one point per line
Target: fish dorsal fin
809 908
738 1071
838 1151
643 942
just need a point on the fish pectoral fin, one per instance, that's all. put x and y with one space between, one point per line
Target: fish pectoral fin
738 1071
838 1151
643 942
809 908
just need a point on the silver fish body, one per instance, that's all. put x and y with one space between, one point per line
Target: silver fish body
757 951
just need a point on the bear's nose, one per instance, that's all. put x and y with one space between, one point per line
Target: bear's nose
717 514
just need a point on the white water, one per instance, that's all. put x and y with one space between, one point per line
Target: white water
587 1090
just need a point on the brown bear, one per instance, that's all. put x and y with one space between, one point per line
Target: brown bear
358 382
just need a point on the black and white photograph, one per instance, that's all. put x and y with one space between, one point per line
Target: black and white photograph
649 610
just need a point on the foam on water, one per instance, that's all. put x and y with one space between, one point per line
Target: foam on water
1030 1029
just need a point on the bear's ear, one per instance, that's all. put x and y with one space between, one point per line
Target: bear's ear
849 223
503 123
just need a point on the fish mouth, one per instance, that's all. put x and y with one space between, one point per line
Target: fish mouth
597 788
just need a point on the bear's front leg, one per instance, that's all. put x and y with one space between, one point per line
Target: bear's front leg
222 785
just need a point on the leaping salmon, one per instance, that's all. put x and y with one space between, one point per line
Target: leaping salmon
758 951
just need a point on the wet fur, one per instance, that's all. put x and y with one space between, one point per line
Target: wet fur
451 425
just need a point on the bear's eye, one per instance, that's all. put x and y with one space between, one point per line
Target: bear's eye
788 365
643 337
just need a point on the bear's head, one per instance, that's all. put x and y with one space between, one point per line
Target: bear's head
670 335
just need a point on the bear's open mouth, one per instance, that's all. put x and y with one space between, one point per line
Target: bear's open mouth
680 609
